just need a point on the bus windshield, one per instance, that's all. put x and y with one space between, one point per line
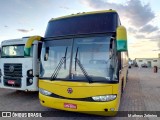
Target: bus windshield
14 51
79 59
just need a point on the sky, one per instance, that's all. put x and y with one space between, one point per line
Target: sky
20 18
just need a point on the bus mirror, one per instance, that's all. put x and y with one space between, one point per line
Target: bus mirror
121 39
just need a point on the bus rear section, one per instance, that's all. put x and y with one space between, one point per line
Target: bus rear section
81 67
19 72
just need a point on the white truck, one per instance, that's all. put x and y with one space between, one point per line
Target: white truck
18 71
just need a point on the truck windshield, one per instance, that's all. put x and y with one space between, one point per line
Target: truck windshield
13 51
88 59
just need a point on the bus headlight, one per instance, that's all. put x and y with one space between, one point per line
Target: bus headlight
104 98
44 92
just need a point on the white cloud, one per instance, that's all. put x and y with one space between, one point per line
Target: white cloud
148 29
24 30
137 14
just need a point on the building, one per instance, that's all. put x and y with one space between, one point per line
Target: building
150 62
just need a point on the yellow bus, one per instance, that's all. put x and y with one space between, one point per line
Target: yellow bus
84 63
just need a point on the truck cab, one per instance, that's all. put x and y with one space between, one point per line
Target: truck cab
18 71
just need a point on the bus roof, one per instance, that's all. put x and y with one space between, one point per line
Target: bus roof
83 24
83 13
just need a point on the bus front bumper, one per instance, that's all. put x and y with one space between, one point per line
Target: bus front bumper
98 108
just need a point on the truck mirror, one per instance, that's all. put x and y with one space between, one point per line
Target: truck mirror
121 39
46 55
28 44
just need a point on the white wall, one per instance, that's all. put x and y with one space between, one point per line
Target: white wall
146 60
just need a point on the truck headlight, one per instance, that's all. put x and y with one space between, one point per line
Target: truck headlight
104 98
30 73
31 80
44 92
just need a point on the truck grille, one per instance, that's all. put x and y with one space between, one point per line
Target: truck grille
13 70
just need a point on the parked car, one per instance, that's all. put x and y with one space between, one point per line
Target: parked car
144 65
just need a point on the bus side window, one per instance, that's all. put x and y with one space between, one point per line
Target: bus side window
0 52
122 60
39 49
119 61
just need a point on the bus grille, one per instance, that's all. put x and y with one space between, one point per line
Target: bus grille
13 70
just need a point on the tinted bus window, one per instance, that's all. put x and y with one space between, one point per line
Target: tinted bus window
84 24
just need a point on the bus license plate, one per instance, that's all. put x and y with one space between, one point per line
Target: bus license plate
69 105
12 82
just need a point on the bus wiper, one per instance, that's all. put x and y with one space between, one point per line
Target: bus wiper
62 61
77 61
